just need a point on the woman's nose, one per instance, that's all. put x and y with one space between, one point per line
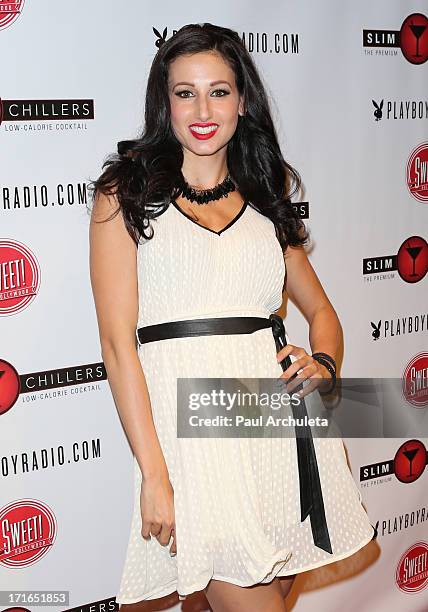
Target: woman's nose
203 108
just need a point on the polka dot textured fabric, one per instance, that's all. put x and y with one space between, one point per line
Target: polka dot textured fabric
237 509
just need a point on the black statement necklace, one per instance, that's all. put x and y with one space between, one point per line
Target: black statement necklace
203 196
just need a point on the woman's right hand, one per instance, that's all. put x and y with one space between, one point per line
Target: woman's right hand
157 510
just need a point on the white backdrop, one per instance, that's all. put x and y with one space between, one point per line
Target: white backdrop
64 457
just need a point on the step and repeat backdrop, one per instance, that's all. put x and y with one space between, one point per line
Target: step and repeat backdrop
349 89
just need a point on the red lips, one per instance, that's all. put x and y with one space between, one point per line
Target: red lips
203 136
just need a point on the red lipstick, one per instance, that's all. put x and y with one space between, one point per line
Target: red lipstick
203 135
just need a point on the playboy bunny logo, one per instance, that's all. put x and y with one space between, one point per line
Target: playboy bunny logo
376 330
161 38
378 112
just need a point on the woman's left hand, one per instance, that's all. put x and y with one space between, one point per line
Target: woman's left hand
310 369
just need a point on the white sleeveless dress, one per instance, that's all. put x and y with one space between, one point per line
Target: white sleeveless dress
236 500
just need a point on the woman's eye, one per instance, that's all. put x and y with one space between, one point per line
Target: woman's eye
182 94
185 91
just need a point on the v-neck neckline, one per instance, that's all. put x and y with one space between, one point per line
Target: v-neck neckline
208 229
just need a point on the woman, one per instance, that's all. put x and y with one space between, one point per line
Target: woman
201 226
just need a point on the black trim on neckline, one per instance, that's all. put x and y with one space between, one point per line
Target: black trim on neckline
232 222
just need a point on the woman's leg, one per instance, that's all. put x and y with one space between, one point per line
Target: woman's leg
226 597
286 583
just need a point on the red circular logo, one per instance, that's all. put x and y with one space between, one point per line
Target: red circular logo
28 531
412 259
415 381
16 610
417 173
410 461
411 574
414 38
9 386
10 10
19 276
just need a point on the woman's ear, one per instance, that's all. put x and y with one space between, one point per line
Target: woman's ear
241 109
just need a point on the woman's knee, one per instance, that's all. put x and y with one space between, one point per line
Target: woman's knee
227 597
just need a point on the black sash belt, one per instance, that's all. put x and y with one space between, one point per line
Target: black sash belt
311 499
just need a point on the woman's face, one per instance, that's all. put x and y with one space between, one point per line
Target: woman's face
204 100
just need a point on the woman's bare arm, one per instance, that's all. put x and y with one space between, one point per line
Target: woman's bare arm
307 294
113 269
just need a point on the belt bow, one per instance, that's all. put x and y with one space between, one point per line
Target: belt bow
311 499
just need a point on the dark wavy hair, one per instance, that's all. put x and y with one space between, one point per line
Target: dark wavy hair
144 172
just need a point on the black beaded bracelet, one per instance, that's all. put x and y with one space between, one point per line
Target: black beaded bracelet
329 358
330 368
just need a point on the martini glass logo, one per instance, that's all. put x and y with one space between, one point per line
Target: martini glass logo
414 251
410 461
417 173
414 38
412 259
10 386
10 10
